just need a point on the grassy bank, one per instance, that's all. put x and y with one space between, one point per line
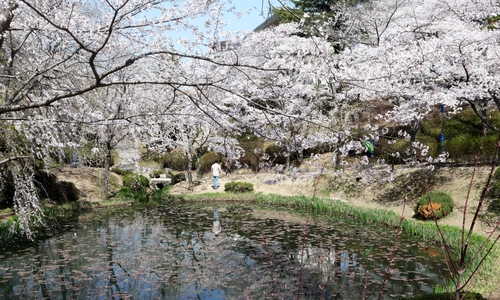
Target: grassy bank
486 281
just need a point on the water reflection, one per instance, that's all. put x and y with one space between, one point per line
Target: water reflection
216 228
183 253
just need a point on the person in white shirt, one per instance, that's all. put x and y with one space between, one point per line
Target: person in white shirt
216 169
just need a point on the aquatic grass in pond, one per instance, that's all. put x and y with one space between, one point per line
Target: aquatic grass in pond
429 233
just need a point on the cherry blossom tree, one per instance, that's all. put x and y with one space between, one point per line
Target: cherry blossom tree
418 55
55 52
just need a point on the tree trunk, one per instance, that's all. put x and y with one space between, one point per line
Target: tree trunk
301 155
107 163
198 164
335 159
190 164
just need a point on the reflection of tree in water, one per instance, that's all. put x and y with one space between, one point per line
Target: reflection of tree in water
177 253
113 286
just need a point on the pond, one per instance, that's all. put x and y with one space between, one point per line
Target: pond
218 252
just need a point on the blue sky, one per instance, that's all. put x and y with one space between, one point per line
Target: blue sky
259 11
254 12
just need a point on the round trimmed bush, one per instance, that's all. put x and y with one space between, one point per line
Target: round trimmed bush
440 205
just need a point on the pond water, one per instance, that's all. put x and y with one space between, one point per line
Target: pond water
217 252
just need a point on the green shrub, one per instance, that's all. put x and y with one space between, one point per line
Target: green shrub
463 134
156 173
175 161
207 160
387 150
136 182
432 142
238 187
448 296
162 194
129 193
440 204
253 146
